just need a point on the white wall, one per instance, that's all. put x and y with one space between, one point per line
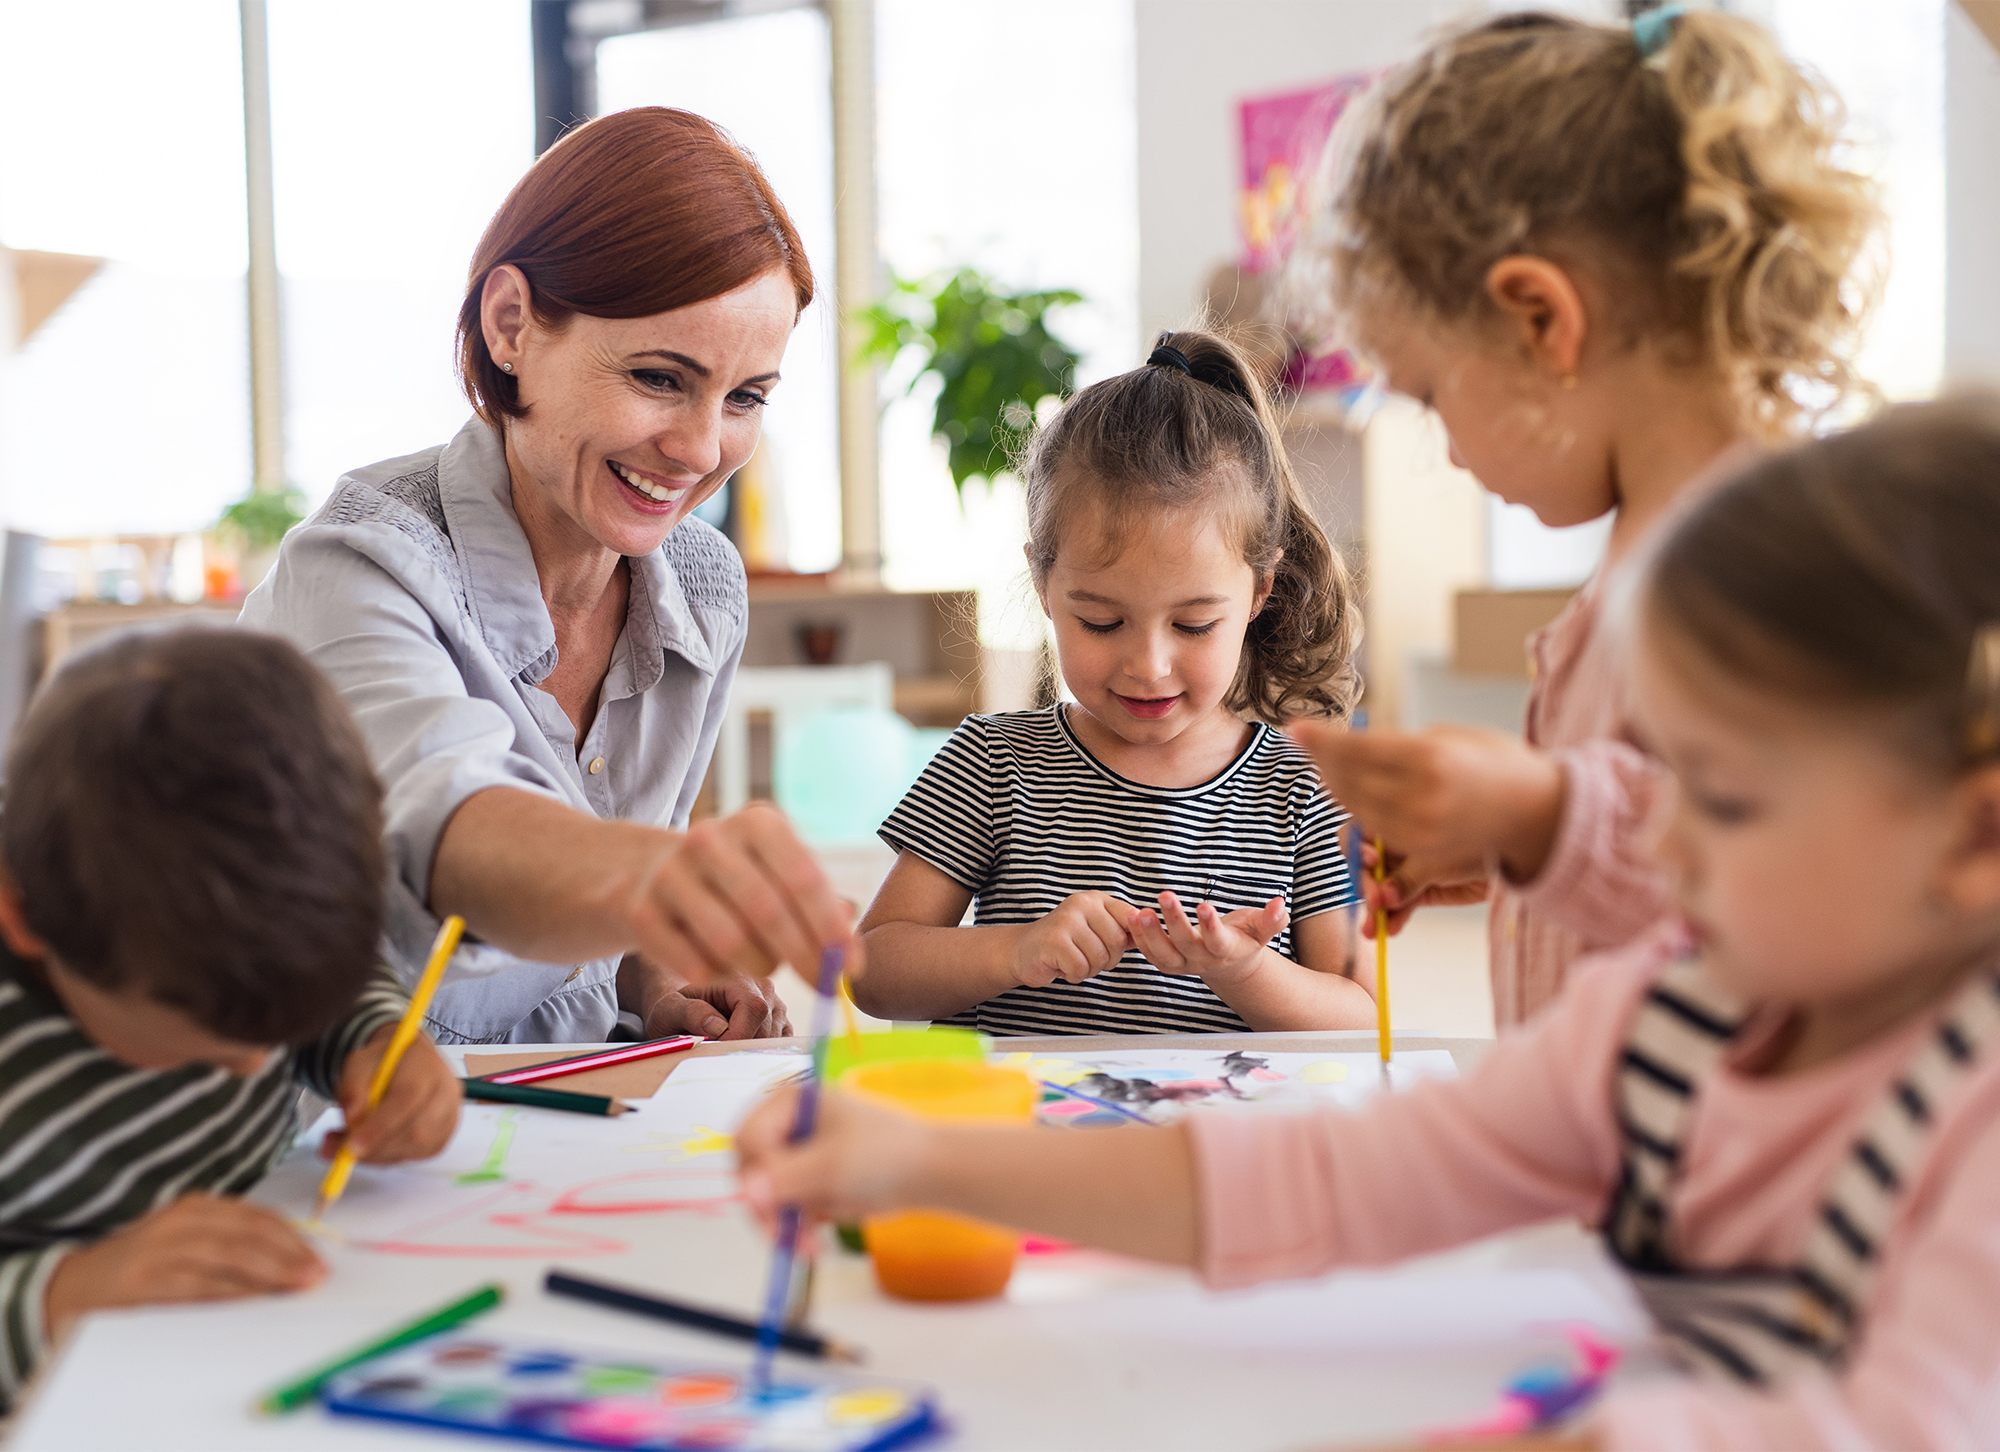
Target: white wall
1197 59
1972 203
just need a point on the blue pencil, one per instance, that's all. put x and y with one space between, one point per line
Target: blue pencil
787 1247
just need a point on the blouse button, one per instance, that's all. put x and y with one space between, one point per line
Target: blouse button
597 766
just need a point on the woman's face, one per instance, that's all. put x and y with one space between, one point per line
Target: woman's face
633 422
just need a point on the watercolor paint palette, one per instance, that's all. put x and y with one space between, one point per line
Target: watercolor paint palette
529 1392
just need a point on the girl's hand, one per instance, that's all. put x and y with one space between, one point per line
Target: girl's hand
1449 801
1218 949
862 1157
416 1116
1399 894
737 896
1080 939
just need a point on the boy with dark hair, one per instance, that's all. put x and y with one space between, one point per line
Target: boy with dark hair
191 880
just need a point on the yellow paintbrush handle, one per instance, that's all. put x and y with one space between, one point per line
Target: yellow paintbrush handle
1381 965
442 948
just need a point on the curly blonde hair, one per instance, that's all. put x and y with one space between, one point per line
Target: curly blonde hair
1159 438
1711 169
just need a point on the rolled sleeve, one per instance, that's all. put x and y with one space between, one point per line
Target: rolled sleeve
434 744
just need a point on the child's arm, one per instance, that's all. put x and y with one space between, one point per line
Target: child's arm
199 1248
1128 1190
921 964
1231 954
418 1114
1528 1135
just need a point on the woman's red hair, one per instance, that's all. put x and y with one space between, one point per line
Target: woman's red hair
635 213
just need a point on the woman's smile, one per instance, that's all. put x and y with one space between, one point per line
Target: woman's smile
649 492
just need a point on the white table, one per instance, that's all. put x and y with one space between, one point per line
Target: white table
1084 1351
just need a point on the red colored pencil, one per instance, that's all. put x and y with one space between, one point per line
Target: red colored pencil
597 1059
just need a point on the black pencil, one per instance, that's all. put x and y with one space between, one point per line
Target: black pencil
543 1098
807 1343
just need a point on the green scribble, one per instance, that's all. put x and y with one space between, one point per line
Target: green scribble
600 1379
495 1167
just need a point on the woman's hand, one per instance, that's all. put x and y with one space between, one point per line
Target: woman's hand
1080 939
199 1248
738 896
732 1008
417 1115
1448 802
1220 949
862 1157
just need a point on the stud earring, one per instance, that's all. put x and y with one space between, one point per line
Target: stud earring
509 368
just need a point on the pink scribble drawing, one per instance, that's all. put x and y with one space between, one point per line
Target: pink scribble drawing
536 1233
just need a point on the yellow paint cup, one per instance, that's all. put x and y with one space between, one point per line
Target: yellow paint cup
927 1255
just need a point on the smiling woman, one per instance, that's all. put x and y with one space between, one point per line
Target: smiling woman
537 640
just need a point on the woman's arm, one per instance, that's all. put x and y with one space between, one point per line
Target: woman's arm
739 894
1231 953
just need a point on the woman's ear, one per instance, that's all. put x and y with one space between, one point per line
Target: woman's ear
1545 312
1972 866
504 313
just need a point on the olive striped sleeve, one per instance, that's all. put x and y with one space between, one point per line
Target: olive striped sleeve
24 1280
318 1063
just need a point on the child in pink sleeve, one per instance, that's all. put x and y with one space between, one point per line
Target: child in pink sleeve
1780 1105
1609 261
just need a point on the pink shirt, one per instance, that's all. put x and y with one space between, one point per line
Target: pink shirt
1530 1134
1600 885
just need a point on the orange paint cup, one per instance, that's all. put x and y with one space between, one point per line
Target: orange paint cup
928 1255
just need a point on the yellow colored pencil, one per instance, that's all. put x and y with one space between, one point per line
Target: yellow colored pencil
442 948
853 1024
1381 964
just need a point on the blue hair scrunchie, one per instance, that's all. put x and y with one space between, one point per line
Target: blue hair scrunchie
1652 31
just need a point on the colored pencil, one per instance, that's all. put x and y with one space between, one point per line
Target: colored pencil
771 1329
449 932
639 1303
1381 964
295 1394
543 1098
595 1059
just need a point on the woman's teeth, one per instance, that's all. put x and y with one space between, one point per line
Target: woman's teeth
658 492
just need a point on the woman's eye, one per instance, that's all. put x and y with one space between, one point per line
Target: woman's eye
1096 629
656 379
1195 629
748 398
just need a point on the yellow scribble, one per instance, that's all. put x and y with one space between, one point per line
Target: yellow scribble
1053 1071
706 1141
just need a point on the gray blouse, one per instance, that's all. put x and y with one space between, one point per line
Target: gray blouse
413 589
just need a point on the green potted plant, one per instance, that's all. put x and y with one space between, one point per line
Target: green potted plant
252 528
991 351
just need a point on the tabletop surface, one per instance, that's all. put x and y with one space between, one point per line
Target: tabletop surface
1084 1350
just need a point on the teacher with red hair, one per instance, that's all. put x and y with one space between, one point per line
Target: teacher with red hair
536 638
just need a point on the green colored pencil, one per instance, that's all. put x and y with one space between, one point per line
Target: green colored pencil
543 1098
296 1394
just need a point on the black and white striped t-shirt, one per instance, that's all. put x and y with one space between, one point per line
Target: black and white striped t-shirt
88 1144
1016 809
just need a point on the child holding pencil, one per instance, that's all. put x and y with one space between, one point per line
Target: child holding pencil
1151 857
191 908
1782 1105
1610 259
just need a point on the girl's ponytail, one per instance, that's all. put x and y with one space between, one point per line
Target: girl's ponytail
1772 224
1164 437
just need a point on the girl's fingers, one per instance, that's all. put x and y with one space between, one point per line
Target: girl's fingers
1174 920
1152 941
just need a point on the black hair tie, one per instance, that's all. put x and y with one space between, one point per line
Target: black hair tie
1168 356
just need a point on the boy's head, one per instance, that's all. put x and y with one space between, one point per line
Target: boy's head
193 835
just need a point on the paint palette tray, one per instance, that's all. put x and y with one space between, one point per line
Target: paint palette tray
564 1397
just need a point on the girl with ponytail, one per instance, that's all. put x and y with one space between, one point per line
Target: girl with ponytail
1613 261
1151 857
